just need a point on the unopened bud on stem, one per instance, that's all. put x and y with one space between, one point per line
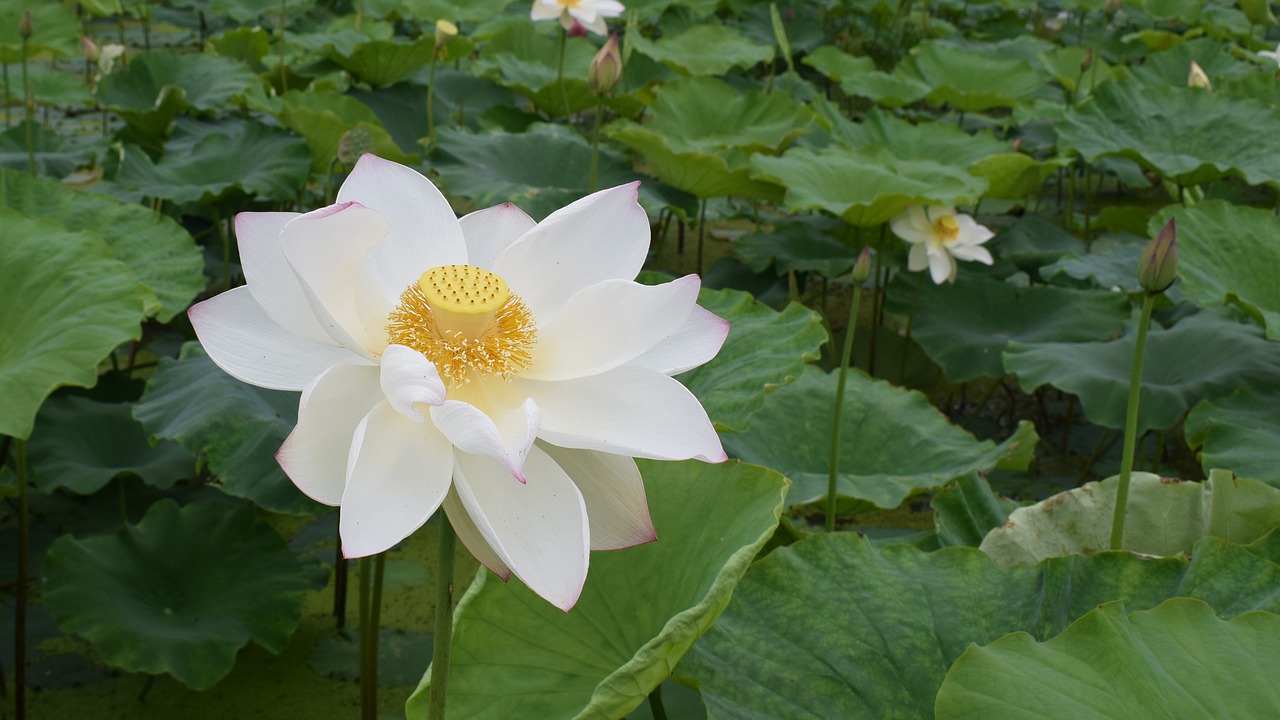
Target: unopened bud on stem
862 267
1159 264
606 67
25 27
1197 78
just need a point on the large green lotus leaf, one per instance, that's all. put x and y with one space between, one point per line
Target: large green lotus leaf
1184 134
628 630
1170 67
893 442
705 50
966 326
765 349
963 77
180 592
80 445
889 90
802 244
207 82
527 62
1229 253
870 633
1164 517
838 64
234 428
1178 660
1240 432
382 62
1031 241
68 303
248 45
257 159
1110 262
54 29
967 510
540 170
864 187
158 250
246 11
1013 176
1203 356
908 141
709 114
59 89
53 154
704 173
454 10
324 118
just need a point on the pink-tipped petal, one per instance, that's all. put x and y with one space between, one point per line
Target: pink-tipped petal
628 410
695 343
314 456
423 229
409 379
327 249
490 231
538 529
613 492
270 277
603 236
502 433
242 340
398 474
471 538
608 324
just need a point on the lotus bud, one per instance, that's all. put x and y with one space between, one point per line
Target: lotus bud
862 268
577 30
444 31
606 67
25 26
1159 264
1197 78
89 49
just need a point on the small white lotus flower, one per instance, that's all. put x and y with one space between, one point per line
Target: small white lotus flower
939 236
590 14
505 370
1272 55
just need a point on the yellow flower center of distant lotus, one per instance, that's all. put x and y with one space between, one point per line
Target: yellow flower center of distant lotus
568 3
947 228
466 321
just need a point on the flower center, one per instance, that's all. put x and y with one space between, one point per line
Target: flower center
466 321
947 228
568 3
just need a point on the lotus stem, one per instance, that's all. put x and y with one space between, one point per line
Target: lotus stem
846 357
431 113
8 97
655 704
564 95
1131 424
341 572
443 642
29 101
368 683
595 141
20 593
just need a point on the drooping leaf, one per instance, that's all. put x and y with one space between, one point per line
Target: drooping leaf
158 250
966 326
234 428
1177 660
1164 517
1227 253
892 441
180 592
870 633
626 632
1240 432
1203 356
80 445
705 49
69 303
765 350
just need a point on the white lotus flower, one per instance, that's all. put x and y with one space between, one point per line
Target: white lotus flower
939 236
503 369
588 13
1273 56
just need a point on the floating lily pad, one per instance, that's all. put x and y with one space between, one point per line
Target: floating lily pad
1157 663
966 326
1204 356
80 445
1228 254
892 443
1184 134
871 633
1241 432
865 187
705 50
627 631
1165 517
765 350
254 158
180 592
71 303
158 250
232 427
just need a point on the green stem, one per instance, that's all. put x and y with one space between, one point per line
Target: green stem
431 113
443 643
284 80
564 96
846 356
595 141
655 704
226 253
368 683
20 594
29 101
1131 425
8 98
369 642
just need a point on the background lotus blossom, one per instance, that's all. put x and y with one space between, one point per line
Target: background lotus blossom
939 236
504 369
590 14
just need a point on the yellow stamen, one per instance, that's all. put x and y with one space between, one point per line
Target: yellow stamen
466 321
947 228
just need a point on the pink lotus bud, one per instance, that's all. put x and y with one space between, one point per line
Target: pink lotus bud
91 51
1159 264
577 30
606 67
